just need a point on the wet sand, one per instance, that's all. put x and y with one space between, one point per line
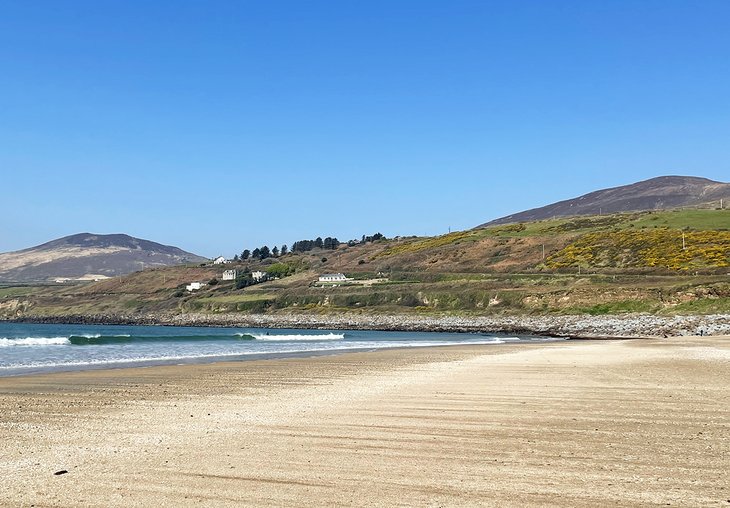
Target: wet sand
584 423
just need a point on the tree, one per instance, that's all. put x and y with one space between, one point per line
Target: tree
244 279
331 243
265 252
279 270
284 250
235 257
318 242
245 254
256 254
373 238
275 251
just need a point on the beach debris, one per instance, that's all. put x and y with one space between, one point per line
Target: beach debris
62 471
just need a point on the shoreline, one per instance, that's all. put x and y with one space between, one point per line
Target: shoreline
373 341
573 326
518 425
255 357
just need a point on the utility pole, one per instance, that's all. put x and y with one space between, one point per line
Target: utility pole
684 245
543 252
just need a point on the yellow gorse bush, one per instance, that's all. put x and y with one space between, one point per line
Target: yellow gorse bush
426 243
646 248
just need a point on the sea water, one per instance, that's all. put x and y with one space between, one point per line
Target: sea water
32 348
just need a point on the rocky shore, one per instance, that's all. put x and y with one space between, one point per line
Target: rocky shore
578 326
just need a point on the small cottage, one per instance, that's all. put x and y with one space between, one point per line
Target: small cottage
333 277
229 275
258 276
219 260
194 286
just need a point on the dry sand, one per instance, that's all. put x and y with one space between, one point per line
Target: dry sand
619 423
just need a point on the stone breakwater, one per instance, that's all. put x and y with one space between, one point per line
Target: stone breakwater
633 325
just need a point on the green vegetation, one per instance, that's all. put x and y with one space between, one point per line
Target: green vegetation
280 270
663 248
703 306
244 302
685 219
620 307
427 243
635 261
15 291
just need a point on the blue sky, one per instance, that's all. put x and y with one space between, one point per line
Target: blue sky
216 126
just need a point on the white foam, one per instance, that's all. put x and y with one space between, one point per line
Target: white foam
328 336
34 341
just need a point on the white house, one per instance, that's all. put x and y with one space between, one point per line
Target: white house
229 275
333 277
194 286
219 260
258 276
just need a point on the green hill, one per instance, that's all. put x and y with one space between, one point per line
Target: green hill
628 262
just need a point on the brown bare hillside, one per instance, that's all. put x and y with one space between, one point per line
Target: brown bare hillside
91 256
662 193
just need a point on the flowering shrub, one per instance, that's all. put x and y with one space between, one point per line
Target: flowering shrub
646 248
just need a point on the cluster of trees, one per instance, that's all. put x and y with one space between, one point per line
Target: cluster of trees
262 253
275 271
328 243
367 239
244 279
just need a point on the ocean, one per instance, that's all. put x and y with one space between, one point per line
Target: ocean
36 348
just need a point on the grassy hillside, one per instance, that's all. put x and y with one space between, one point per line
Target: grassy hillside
631 262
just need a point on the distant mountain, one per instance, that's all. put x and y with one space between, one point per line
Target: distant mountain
661 193
89 256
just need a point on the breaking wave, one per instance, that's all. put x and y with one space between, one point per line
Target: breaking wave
100 340
295 337
34 341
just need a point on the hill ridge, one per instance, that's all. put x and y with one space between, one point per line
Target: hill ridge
658 193
112 239
88 254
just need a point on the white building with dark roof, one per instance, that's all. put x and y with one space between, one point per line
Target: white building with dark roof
229 275
333 277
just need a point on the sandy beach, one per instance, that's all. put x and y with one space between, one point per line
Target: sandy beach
576 423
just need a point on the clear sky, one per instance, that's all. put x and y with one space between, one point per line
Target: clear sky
220 125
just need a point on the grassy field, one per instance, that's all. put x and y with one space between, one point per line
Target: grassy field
698 220
15 291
